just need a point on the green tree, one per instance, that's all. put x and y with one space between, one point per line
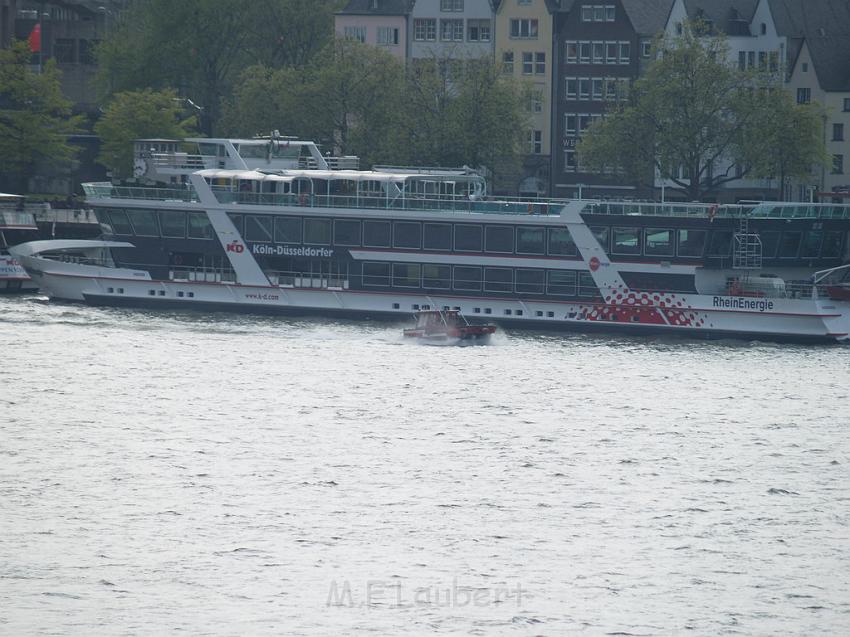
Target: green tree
787 142
693 110
137 115
35 118
195 46
290 33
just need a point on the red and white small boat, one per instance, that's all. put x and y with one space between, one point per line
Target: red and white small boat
448 327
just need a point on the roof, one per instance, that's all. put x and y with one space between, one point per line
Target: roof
729 16
825 27
648 17
377 7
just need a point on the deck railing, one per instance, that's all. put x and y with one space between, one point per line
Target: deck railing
460 204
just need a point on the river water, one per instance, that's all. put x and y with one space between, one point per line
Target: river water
225 474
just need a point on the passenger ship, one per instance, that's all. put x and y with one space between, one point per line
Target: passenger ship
272 225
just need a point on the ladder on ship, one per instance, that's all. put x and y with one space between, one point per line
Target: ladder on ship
747 248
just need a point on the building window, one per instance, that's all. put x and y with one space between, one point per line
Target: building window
569 161
742 60
584 88
451 5
645 49
570 120
572 88
478 30
838 132
804 95
536 138
596 88
751 59
540 63
762 60
508 62
355 33
805 67
536 105
451 30
598 13
763 28
63 51
611 50
86 53
838 164
598 49
387 35
524 28
584 52
847 104
424 30
625 52
572 52
527 63
773 58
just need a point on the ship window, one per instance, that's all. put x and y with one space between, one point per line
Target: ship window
488 310
529 240
550 314
377 274
317 231
346 232
144 222
811 243
691 243
659 242
508 312
499 239
831 245
476 310
258 228
601 234
287 230
407 234
538 313
376 234
199 226
561 242
180 293
498 280
173 223
560 282
236 220
120 223
437 236
467 277
151 292
406 275
468 238
396 306
626 241
720 244
769 243
586 285
789 246
530 281
437 276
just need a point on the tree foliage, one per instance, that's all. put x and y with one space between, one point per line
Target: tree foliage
356 99
137 115
691 110
787 142
35 118
199 47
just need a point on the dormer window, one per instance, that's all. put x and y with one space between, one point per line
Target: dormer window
763 28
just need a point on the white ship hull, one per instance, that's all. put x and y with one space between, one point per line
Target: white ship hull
693 314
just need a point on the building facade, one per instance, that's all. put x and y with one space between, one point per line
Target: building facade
381 23
451 29
600 48
524 34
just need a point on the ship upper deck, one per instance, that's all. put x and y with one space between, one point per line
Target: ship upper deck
106 193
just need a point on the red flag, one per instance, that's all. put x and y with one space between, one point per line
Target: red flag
34 39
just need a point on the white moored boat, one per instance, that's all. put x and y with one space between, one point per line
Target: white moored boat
271 225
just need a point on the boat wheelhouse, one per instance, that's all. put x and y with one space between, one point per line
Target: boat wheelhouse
16 226
307 233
